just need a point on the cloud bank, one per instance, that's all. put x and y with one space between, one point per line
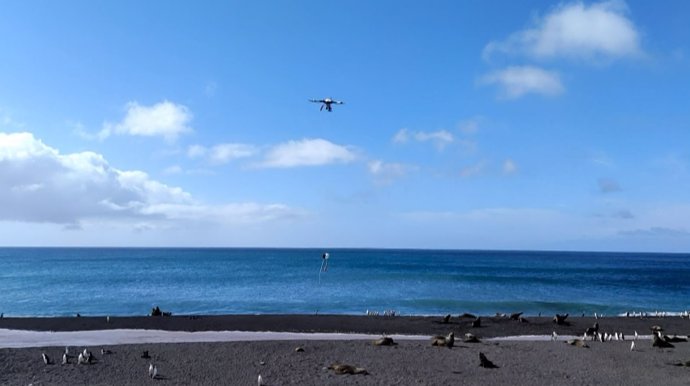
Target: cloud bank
306 152
385 173
439 138
222 153
39 184
517 81
164 119
575 30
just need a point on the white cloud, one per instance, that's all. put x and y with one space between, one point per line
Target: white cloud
575 30
40 185
239 213
509 166
221 153
439 138
164 119
386 173
306 152
520 80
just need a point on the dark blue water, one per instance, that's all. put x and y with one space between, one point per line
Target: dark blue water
123 281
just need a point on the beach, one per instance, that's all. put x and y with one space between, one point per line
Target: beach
523 351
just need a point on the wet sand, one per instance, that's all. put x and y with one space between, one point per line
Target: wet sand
411 362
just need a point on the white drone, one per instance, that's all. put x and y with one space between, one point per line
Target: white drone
327 102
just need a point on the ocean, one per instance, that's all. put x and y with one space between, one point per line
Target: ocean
130 281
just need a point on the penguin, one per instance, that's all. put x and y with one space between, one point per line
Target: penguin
592 331
486 363
46 358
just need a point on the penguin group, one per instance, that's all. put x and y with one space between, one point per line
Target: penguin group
85 357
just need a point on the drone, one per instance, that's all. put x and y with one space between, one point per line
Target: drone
326 103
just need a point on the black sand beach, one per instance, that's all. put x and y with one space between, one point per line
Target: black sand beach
491 326
409 362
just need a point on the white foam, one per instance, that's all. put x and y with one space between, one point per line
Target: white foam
544 338
23 338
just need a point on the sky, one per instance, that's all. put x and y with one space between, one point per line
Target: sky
533 125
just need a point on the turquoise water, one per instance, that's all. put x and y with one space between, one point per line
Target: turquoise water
124 281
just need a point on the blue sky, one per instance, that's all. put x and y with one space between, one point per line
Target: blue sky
491 125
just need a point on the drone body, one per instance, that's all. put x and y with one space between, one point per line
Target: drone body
326 102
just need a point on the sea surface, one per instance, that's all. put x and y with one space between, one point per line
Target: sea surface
130 281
